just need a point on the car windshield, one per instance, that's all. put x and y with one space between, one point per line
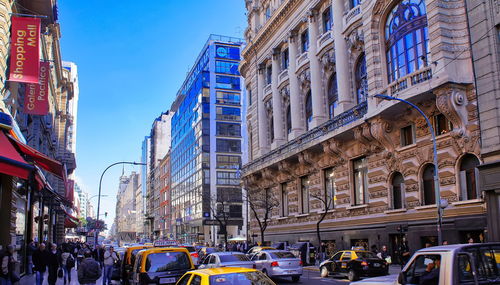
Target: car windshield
365 254
167 261
283 254
243 278
189 248
233 258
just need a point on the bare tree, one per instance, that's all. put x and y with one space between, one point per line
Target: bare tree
326 200
262 202
218 209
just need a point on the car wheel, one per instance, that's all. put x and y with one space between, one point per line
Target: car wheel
352 276
295 279
324 271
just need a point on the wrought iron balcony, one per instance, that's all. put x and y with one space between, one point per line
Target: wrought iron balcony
298 143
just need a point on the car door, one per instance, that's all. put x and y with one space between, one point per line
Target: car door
196 280
344 262
258 262
212 261
335 262
204 262
264 261
184 280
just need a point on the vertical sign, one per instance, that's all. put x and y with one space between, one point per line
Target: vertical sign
25 50
36 98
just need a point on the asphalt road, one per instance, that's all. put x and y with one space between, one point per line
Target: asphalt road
310 277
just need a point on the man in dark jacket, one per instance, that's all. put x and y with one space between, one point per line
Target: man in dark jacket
99 255
89 271
53 263
40 262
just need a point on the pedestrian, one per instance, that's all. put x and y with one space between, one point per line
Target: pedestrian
384 254
30 249
8 262
67 264
53 263
40 262
110 258
445 242
99 255
89 271
470 241
404 252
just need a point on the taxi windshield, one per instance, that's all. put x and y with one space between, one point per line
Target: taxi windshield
243 278
365 254
167 261
233 258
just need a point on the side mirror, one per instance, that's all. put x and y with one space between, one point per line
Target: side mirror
402 278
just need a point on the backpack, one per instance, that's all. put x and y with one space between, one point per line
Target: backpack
70 262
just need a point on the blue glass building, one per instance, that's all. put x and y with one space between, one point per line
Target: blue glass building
207 140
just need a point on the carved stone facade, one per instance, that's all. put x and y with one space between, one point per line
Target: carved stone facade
373 139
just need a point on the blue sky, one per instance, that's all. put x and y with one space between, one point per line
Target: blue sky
132 58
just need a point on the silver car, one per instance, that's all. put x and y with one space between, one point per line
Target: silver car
279 263
226 259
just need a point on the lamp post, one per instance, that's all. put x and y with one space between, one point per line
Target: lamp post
436 174
99 195
88 203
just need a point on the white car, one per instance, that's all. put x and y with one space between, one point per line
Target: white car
226 259
279 263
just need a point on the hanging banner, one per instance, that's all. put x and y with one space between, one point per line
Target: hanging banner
25 50
36 99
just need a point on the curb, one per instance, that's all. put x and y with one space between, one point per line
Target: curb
311 268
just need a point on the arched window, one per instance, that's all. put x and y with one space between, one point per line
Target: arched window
398 191
429 194
406 38
333 95
468 177
288 120
309 110
361 79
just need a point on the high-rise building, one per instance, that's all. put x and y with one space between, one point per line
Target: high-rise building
125 218
145 229
207 144
316 133
164 213
83 198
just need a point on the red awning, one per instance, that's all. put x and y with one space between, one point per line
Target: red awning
69 223
11 162
53 166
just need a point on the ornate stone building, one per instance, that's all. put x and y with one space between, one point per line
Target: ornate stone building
317 133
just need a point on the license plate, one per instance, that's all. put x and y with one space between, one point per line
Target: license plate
167 280
291 272
376 265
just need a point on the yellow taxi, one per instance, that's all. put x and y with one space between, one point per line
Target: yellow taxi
225 276
129 259
161 265
354 264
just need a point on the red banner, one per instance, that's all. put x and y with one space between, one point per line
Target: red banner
25 50
36 99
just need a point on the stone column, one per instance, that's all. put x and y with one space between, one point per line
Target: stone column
279 130
295 104
261 117
318 102
346 99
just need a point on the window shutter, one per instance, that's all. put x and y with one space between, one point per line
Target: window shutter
463 186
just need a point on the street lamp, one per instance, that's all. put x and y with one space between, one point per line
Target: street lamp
436 175
88 203
100 183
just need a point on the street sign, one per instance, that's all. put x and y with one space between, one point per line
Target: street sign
208 222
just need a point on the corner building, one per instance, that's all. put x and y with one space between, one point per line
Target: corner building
207 144
311 69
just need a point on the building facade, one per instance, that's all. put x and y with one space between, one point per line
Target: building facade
484 23
207 145
165 220
142 224
126 208
316 133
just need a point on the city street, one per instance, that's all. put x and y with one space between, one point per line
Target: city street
311 277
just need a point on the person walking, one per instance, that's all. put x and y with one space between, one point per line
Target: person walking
8 262
99 255
53 263
89 270
110 258
67 264
40 262
30 249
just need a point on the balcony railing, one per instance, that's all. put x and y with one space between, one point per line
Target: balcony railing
298 143
352 16
302 59
283 75
267 89
410 80
323 39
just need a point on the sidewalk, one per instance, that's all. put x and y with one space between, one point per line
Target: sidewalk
31 279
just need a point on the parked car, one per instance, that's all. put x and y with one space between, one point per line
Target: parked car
354 264
225 276
194 254
226 259
279 263
455 264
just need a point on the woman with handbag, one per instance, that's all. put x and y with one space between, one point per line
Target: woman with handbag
67 263
7 262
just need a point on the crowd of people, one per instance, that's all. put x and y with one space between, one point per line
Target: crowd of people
59 261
